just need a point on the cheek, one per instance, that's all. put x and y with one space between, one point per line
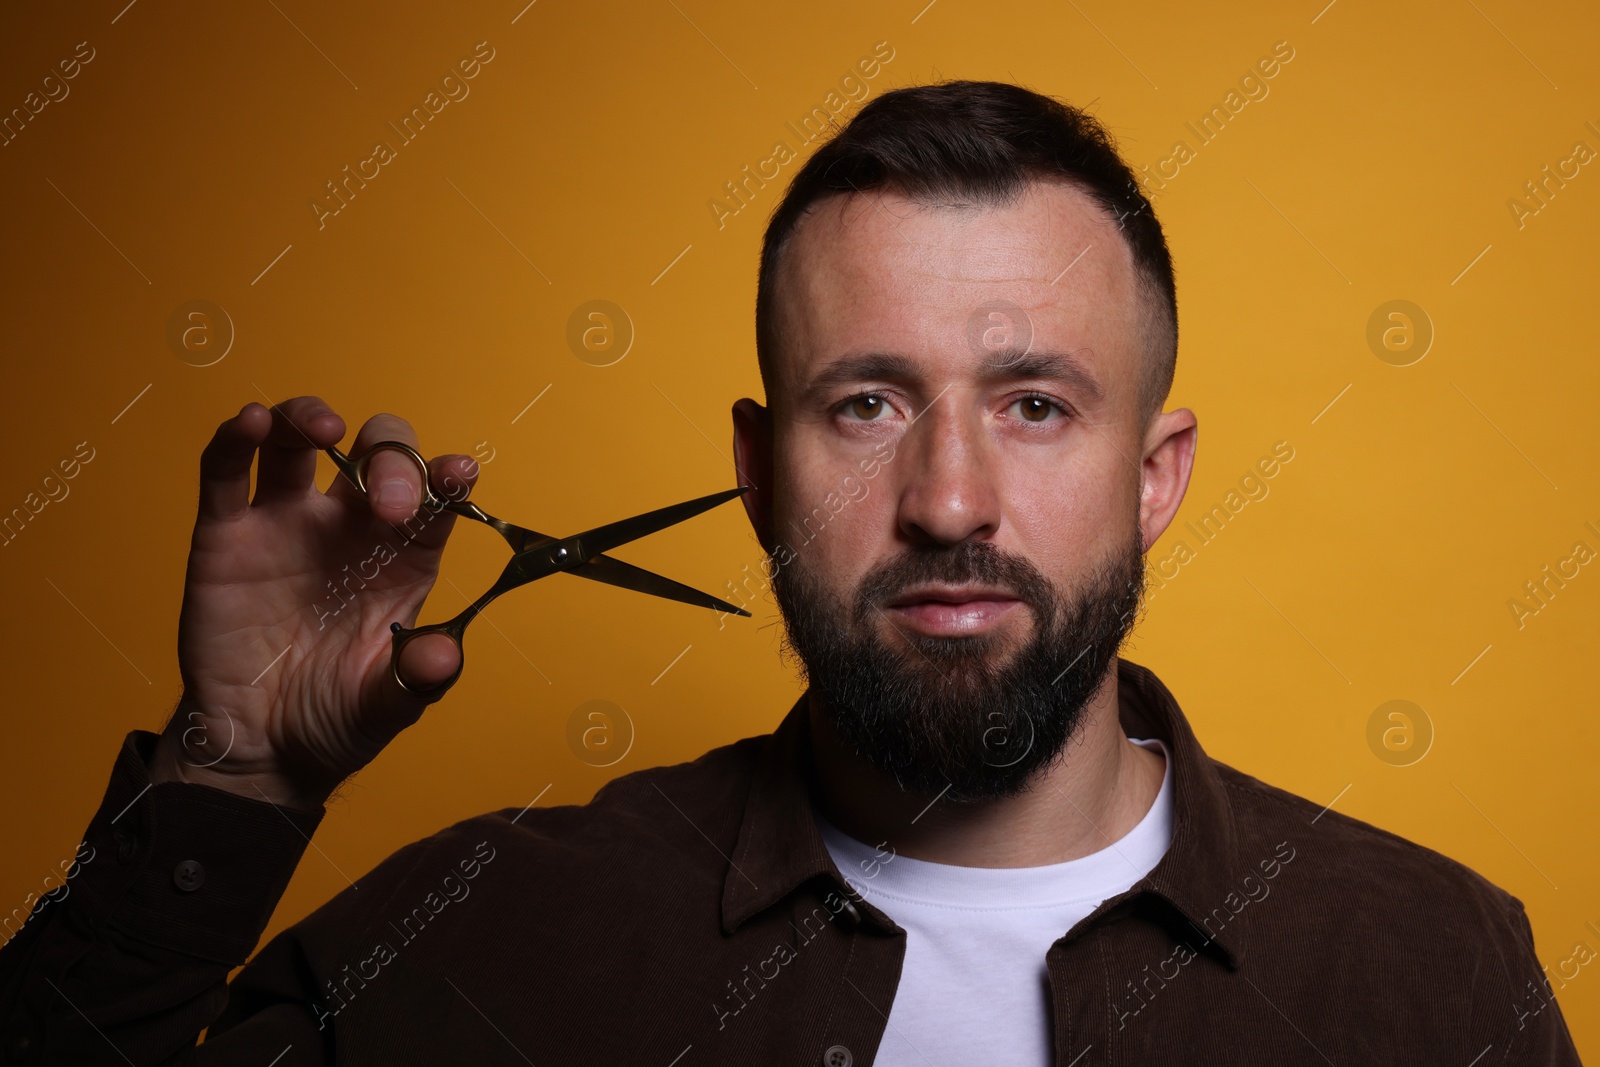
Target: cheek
1066 516
839 522
1050 528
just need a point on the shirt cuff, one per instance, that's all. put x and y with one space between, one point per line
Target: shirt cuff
184 866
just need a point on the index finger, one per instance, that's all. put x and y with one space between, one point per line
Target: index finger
226 460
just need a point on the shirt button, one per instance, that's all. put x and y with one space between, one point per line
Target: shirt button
22 1047
188 875
837 1056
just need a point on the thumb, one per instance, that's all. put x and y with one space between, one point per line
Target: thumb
428 664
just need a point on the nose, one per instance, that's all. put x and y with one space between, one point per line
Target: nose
949 492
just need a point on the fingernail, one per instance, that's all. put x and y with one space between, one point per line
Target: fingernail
395 494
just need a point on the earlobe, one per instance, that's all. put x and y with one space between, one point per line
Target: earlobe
752 458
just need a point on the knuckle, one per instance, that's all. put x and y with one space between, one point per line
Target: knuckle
387 466
386 426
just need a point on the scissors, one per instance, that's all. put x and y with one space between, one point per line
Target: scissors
538 555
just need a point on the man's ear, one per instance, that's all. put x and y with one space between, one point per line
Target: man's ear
752 460
1169 445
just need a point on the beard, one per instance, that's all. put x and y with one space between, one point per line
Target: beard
940 715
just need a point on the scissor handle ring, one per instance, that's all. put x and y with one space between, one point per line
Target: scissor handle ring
360 463
401 636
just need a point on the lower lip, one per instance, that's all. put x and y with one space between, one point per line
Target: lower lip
941 619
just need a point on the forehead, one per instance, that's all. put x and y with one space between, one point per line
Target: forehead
880 271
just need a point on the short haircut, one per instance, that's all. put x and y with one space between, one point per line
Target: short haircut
981 142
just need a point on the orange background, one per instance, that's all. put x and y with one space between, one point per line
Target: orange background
182 165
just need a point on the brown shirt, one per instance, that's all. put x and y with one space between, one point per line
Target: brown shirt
692 915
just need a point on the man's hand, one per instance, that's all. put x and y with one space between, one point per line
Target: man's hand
283 637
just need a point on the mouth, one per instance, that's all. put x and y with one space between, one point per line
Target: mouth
953 610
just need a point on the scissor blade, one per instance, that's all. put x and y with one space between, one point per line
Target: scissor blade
625 575
591 543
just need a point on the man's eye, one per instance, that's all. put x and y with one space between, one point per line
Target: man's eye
866 407
1035 408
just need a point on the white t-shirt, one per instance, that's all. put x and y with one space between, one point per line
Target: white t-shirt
974 987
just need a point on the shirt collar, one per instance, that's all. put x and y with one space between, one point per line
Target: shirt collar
779 847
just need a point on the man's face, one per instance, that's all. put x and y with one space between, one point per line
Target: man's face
955 449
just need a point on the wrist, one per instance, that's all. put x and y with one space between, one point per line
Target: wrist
167 764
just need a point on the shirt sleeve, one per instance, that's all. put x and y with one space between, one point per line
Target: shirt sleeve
126 961
1540 1037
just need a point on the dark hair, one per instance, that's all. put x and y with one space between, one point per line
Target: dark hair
983 142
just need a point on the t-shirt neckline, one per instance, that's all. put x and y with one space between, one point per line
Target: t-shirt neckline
880 873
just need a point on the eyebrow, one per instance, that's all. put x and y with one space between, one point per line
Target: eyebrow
1005 364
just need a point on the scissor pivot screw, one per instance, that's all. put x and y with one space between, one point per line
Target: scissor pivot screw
558 556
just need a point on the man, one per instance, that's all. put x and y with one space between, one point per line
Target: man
978 837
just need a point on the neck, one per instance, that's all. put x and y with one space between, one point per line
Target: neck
1092 794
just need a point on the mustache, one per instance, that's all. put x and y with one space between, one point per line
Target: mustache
965 563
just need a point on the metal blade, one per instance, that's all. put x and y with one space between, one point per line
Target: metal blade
626 576
593 542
